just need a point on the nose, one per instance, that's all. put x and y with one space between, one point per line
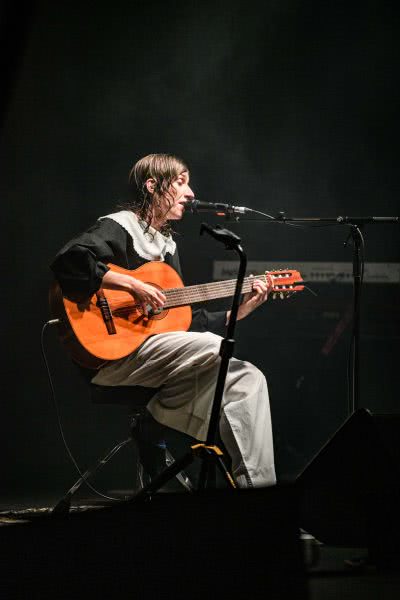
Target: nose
189 195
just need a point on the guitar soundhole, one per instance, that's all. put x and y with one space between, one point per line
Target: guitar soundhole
159 314
137 315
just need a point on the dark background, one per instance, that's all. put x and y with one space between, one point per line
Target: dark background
278 105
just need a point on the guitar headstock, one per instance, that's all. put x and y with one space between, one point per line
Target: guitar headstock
286 282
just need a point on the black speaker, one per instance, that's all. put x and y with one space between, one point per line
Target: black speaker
349 492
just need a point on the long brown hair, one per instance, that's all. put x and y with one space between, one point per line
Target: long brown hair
163 169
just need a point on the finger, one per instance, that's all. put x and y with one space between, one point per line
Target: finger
158 302
155 303
158 296
264 289
259 285
259 289
161 298
159 293
151 300
260 293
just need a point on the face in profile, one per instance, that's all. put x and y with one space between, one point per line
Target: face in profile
171 207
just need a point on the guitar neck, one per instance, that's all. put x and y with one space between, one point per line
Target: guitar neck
206 291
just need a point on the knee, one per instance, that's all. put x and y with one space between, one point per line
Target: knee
249 373
211 343
254 371
255 374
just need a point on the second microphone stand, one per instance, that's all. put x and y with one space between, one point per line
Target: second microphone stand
356 224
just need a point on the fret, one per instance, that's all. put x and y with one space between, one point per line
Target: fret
206 291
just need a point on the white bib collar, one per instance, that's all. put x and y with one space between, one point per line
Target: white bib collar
151 245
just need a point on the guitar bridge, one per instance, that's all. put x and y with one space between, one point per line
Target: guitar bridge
105 310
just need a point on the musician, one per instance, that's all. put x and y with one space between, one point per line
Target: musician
183 364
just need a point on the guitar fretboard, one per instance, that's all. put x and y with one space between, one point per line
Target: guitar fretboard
206 291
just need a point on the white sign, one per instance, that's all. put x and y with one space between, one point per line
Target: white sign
321 272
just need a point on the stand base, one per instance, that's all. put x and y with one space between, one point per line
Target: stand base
212 456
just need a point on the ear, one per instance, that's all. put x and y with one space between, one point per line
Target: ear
150 185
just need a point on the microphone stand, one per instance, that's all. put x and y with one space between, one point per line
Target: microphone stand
356 224
209 453
234 213
231 242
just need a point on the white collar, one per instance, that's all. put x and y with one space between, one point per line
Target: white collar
151 245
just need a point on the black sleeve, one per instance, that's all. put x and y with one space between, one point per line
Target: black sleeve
204 320
174 262
80 265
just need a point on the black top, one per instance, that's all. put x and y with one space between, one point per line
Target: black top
80 265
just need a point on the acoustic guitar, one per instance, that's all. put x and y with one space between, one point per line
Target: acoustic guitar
110 325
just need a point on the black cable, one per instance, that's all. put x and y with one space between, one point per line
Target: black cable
310 290
271 218
351 376
284 221
74 462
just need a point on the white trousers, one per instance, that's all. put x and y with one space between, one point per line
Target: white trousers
185 366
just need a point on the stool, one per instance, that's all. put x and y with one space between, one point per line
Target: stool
148 437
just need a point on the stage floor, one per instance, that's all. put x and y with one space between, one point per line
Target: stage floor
330 572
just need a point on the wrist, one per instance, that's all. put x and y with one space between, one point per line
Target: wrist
240 315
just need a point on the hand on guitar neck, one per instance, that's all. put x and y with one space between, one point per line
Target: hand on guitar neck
258 295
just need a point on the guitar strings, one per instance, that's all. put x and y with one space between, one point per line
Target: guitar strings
198 293
191 294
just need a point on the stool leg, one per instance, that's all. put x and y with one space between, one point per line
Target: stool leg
64 504
181 476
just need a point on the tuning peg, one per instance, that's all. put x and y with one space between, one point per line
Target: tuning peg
274 296
281 295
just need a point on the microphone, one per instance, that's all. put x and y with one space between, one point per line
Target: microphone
217 208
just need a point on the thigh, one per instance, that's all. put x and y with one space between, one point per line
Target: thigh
163 358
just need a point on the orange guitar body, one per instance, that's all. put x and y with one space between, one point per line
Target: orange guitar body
83 327
109 325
